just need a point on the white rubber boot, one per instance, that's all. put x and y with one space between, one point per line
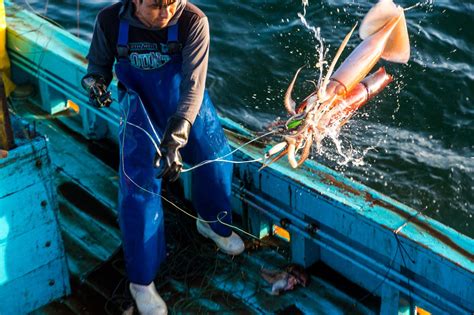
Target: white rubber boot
231 245
148 301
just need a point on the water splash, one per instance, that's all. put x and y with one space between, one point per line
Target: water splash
323 120
305 4
426 3
320 50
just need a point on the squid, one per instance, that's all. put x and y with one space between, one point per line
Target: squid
342 92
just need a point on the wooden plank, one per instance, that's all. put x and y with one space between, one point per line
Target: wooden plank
35 289
25 210
36 146
25 253
74 160
6 133
34 162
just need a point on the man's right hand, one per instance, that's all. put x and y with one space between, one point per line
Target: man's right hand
96 85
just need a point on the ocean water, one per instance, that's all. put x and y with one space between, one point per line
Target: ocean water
416 138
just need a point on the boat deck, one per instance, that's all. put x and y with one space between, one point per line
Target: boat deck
195 278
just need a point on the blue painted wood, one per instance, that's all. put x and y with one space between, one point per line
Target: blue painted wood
374 244
33 269
29 251
363 234
303 251
14 178
390 300
35 289
32 210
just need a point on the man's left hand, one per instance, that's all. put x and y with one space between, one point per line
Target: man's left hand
168 160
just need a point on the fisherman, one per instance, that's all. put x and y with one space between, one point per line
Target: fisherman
160 49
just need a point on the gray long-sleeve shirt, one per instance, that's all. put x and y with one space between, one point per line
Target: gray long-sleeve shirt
145 49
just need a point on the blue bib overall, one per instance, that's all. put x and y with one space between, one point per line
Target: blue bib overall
147 99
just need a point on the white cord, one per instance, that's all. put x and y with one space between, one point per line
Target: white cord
220 216
148 134
219 159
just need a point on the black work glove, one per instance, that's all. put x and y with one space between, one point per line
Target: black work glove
168 160
97 87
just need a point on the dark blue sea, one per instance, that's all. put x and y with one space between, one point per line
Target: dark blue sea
418 132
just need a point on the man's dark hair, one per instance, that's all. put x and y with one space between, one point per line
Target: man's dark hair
162 3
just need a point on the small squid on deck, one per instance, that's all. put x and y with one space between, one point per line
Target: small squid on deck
384 35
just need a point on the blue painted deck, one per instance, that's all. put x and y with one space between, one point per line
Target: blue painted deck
374 241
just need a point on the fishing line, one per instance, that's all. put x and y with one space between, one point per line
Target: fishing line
385 277
43 15
31 8
122 299
401 249
399 243
220 216
78 15
397 231
148 134
149 122
219 159
44 47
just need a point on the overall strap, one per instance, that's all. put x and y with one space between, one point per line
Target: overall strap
122 43
174 46
173 33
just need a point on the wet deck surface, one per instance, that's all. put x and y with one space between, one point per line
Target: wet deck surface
195 278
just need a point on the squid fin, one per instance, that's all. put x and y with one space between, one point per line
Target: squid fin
397 48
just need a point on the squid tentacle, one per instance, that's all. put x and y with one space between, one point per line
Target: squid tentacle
289 102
